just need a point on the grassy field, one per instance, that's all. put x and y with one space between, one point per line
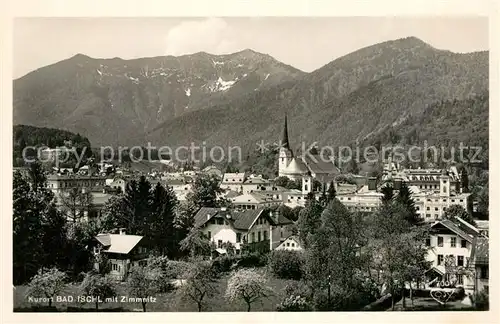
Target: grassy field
168 302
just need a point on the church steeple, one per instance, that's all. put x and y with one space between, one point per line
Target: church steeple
284 140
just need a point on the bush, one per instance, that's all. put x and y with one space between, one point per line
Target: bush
176 269
224 263
252 260
287 264
297 297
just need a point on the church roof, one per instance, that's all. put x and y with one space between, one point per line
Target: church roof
317 165
296 166
284 140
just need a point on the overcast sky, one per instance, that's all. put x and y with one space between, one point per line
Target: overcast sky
306 43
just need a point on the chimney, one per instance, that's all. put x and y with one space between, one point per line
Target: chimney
122 231
372 183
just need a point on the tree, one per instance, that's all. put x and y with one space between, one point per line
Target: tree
404 199
200 284
47 284
331 193
397 247
464 180
333 255
309 220
455 211
96 285
116 214
161 231
137 200
184 220
143 283
388 195
248 285
196 243
205 191
27 231
287 264
80 236
75 203
39 228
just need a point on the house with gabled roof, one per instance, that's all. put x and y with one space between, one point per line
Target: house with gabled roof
291 243
233 181
252 227
448 238
254 200
123 251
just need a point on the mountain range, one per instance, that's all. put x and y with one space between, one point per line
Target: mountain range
241 98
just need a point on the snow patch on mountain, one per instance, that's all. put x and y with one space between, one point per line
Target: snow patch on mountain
135 80
188 92
159 110
267 76
221 85
100 73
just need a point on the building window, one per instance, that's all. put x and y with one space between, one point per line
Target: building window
460 260
238 237
453 200
440 241
265 235
460 279
453 242
483 272
440 259
436 209
464 243
428 241
427 215
461 200
253 237
428 208
258 236
115 267
209 235
417 208
219 243
293 244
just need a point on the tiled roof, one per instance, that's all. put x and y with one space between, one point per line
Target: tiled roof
454 228
318 165
243 220
119 243
201 217
232 194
